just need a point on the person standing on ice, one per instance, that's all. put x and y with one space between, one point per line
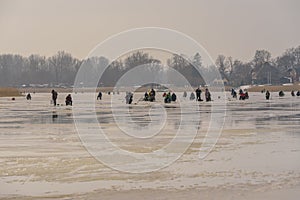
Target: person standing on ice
198 94
268 95
99 97
207 95
54 97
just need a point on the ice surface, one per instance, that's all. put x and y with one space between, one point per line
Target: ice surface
41 153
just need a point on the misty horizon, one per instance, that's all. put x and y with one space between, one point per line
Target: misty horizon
232 28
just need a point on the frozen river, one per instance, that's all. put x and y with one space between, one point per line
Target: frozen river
257 153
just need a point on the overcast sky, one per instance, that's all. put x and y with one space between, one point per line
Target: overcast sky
230 27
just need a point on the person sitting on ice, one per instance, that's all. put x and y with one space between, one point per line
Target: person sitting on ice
168 98
281 93
129 98
246 95
152 95
292 93
69 100
192 96
298 94
28 97
242 95
173 97
146 96
241 91
233 93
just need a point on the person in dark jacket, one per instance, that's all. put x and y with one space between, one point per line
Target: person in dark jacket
292 93
146 96
69 100
99 97
281 93
54 96
233 93
198 94
152 95
173 97
207 95
28 97
129 98
268 95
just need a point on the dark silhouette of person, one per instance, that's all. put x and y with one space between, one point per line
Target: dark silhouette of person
99 97
129 98
69 100
281 93
192 96
243 95
28 97
268 95
54 96
152 95
184 94
146 96
207 95
173 97
246 95
293 93
198 94
241 92
233 93
298 94
168 98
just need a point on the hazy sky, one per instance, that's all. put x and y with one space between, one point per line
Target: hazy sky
229 27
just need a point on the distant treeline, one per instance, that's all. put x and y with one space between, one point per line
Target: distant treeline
61 69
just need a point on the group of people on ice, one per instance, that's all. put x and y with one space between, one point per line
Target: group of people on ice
293 93
150 95
168 98
243 94
198 92
198 95
68 100
281 94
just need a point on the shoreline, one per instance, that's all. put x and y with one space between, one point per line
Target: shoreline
10 92
275 88
17 92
